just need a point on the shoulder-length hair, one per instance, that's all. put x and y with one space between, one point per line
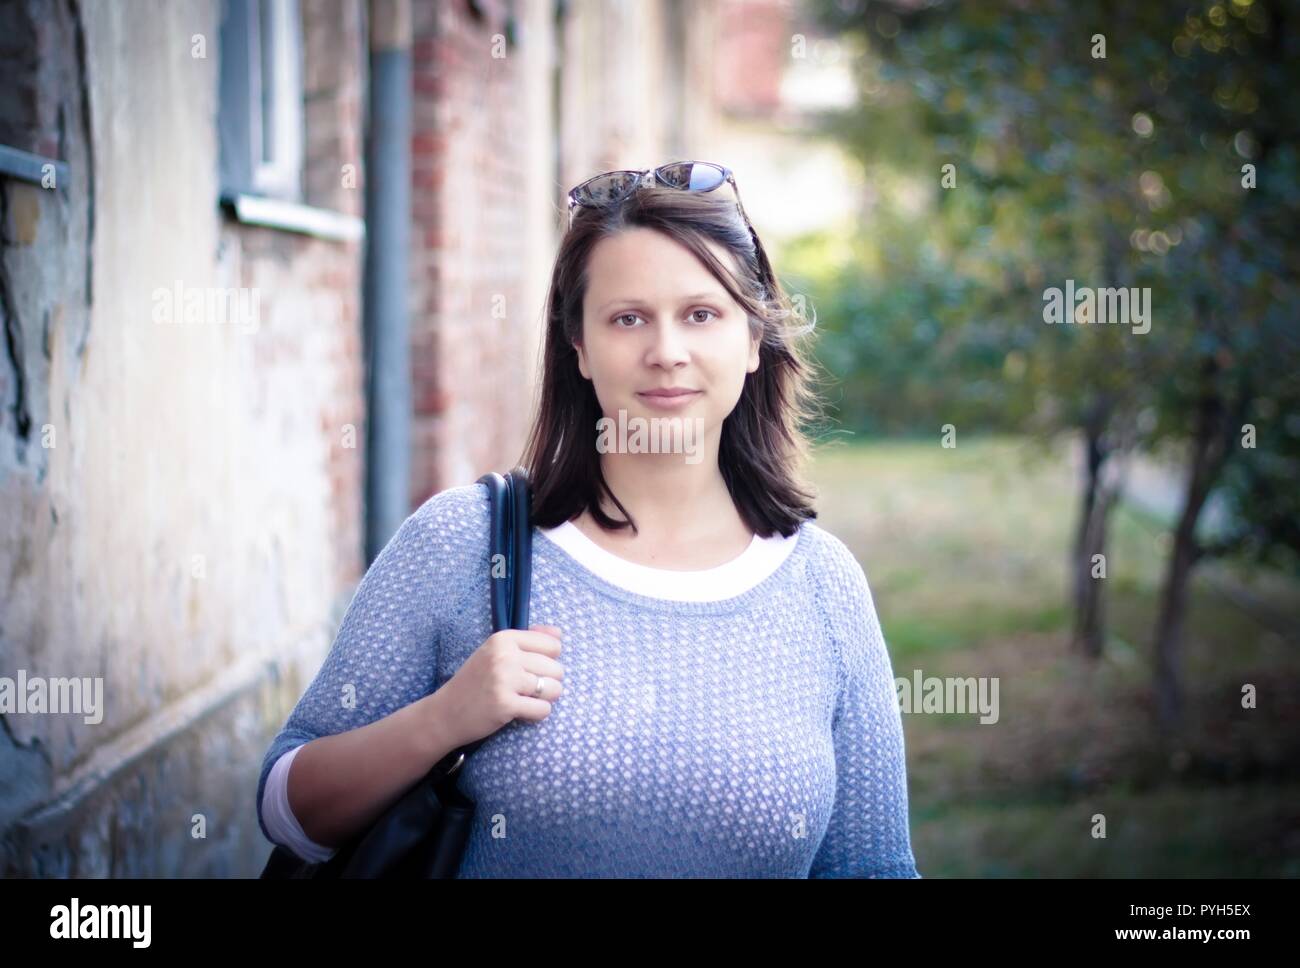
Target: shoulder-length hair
762 448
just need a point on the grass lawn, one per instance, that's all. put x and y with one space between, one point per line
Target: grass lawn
965 552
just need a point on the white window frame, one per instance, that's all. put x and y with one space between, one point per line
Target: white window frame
276 166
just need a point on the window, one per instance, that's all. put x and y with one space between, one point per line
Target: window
261 117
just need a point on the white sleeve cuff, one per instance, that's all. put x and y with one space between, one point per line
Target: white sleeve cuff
279 819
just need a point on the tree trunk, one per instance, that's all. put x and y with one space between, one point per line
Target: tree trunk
1209 448
1090 538
1169 626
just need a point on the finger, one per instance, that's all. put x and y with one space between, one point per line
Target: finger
546 643
538 687
542 665
533 710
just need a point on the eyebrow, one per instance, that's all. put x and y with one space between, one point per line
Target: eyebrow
714 295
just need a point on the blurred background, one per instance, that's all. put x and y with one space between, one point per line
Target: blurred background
272 273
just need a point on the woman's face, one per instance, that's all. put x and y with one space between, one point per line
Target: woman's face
655 318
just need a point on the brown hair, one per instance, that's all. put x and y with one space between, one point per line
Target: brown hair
762 446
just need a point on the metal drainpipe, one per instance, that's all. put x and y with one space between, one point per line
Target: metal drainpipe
387 326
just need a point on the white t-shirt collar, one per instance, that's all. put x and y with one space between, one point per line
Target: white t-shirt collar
755 563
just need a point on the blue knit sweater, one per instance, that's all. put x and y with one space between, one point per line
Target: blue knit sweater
754 736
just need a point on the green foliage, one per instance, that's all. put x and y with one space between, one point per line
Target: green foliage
1122 171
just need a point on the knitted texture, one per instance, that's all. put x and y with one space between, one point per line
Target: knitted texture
757 736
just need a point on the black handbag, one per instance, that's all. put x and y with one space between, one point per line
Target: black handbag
423 835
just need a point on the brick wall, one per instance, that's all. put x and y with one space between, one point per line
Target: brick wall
469 314
750 63
334 79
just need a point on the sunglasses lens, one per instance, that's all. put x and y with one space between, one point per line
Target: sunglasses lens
606 188
693 176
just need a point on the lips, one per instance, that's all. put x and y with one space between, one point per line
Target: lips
669 399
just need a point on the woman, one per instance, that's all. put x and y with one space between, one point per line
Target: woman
708 692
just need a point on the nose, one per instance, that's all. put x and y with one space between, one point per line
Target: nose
667 345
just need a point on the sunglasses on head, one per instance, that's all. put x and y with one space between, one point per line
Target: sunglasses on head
688 176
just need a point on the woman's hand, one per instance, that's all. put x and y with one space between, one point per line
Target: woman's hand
495 684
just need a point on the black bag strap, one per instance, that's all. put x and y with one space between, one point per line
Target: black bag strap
499 547
510 538
510 541
521 565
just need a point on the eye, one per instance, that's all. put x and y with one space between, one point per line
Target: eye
693 318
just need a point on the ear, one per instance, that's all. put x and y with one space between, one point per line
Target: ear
582 360
754 345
